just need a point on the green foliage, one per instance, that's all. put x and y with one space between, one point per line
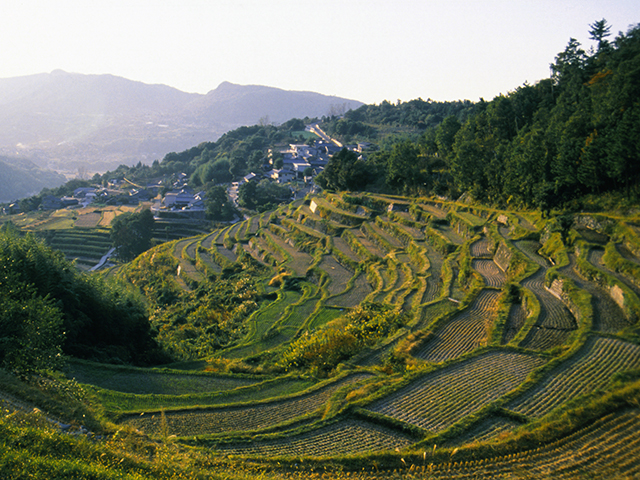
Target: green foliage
195 324
323 350
218 205
101 319
31 327
131 234
346 172
541 146
262 196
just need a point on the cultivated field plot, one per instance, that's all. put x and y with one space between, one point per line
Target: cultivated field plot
299 261
490 272
530 249
515 321
434 210
485 430
88 220
107 218
240 418
481 248
555 321
450 234
341 245
368 245
607 449
338 275
464 332
186 267
148 381
349 437
125 403
439 399
595 258
352 251
608 317
590 369
354 296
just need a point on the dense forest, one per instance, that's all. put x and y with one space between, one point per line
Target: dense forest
48 307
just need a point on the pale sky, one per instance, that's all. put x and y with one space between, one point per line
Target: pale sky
367 50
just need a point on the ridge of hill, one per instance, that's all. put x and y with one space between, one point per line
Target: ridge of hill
67 120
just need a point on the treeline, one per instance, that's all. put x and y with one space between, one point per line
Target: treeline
48 307
541 145
364 122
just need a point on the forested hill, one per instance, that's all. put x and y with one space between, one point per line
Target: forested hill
541 145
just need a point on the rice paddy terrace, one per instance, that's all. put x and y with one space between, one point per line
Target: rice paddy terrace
517 352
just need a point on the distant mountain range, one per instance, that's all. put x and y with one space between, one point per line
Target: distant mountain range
68 121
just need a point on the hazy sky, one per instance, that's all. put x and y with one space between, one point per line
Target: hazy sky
368 50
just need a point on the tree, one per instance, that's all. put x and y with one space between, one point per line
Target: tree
599 31
218 205
31 328
43 295
131 234
345 172
445 135
247 193
407 170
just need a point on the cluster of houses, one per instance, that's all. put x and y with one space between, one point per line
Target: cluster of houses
180 201
86 195
303 162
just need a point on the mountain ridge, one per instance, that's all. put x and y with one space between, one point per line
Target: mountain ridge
65 120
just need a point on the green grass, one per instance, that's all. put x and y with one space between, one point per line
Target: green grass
116 403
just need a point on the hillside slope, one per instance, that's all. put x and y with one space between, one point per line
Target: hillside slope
498 328
380 336
20 178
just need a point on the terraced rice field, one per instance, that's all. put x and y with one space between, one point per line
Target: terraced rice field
515 321
487 429
299 262
88 220
491 274
340 244
555 321
608 317
186 248
608 448
592 368
354 296
240 418
464 332
145 381
338 275
349 437
435 356
595 258
436 401
481 248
